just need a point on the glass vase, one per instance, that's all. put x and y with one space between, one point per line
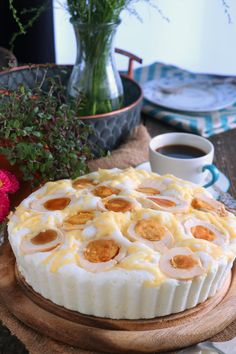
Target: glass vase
95 78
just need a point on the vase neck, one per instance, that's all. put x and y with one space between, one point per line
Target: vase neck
94 40
95 27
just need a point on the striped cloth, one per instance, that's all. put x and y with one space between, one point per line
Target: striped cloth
205 124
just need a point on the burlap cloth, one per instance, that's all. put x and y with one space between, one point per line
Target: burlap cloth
131 153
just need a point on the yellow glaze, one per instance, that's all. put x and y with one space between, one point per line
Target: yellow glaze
108 222
142 260
57 187
58 259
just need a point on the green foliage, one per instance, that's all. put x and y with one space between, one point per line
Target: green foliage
25 19
96 11
16 17
100 11
40 132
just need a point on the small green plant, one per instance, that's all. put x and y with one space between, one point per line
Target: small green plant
25 19
40 132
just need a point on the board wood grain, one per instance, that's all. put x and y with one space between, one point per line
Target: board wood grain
114 336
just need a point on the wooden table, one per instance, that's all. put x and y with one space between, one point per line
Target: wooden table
225 159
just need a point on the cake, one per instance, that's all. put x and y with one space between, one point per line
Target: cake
123 244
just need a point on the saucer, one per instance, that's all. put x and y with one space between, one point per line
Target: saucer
221 184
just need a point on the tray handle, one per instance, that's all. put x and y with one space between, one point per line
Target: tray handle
132 58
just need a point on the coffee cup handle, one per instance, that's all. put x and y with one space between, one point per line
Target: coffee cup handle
215 173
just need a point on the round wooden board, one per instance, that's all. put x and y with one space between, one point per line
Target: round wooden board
115 336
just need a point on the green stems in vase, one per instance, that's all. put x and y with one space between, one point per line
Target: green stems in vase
97 11
94 75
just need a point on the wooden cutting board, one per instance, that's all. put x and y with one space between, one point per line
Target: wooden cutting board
114 336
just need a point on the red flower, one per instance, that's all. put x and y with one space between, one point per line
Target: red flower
8 182
4 206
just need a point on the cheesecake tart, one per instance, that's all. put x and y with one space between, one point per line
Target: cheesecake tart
123 244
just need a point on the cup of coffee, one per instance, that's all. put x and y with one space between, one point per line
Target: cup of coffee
184 155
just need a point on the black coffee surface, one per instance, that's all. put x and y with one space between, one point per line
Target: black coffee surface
181 151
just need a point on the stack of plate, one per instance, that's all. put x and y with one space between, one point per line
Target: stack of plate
191 93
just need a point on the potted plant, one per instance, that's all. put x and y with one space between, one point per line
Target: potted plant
41 138
94 73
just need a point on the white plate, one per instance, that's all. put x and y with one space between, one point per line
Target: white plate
190 95
222 183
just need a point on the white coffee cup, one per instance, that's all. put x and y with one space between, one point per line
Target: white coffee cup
195 170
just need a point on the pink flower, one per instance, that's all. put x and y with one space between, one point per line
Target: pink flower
4 206
8 182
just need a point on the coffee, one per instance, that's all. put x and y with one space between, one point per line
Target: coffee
181 151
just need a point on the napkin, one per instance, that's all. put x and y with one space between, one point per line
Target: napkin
205 124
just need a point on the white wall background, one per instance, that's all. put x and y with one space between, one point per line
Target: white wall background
198 37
